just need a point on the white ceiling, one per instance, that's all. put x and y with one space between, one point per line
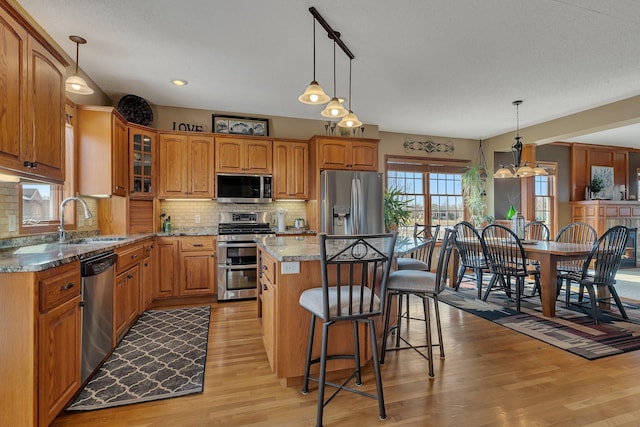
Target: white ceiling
427 67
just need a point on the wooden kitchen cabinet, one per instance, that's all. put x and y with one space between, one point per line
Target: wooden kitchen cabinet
244 155
167 268
186 166
290 170
148 264
267 304
59 339
128 284
197 266
346 153
103 147
32 142
142 162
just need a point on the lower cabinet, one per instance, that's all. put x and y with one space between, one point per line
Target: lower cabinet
267 304
146 296
186 266
128 288
59 340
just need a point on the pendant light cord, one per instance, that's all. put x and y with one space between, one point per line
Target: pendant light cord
314 49
350 61
334 68
77 55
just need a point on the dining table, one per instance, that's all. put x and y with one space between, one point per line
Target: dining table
547 253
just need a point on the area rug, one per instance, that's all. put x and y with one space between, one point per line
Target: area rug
162 356
571 330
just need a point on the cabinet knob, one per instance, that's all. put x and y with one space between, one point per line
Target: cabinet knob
134 256
129 276
264 287
198 245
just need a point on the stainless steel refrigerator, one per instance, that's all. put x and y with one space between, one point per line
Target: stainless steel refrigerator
351 202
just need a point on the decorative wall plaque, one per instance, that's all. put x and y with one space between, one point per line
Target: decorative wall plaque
430 146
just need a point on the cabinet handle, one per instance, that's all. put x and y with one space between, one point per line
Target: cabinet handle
34 165
134 256
146 264
67 286
129 276
264 287
198 245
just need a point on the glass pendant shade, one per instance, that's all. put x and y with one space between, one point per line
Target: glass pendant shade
350 121
524 171
76 84
540 171
503 173
314 94
334 109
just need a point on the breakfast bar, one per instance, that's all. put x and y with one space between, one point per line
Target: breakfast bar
287 266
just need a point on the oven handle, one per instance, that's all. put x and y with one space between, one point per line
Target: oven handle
237 245
236 267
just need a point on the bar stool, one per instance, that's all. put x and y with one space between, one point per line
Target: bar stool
425 285
354 272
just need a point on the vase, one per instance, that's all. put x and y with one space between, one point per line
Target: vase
511 212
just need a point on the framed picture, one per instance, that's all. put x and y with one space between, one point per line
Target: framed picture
605 173
240 125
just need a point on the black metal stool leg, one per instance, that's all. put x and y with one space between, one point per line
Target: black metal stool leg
427 323
376 368
356 353
323 372
307 366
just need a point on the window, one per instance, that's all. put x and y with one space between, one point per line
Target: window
545 200
433 188
39 202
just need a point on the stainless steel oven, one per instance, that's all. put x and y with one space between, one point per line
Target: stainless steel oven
237 253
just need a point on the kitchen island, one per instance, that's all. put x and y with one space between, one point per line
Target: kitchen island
287 266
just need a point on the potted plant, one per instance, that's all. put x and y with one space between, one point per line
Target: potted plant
595 186
473 193
396 209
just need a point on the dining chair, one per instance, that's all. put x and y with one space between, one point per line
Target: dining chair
425 285
506 259
600 268
471 251
354 270
536 230
575 232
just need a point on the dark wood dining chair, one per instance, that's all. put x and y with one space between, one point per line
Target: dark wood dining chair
506 259
600 268
575 232
536 230
472 255
354 270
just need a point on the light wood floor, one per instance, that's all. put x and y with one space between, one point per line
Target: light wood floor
491 376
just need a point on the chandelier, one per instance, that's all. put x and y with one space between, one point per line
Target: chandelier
517 169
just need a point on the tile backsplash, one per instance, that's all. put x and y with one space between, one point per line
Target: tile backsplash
184 213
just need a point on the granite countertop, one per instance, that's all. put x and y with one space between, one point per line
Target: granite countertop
307 248
191 231
48 255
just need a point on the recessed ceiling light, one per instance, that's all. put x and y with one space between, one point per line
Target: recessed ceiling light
179 82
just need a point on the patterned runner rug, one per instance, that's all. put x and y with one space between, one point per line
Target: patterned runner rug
162 356
571 330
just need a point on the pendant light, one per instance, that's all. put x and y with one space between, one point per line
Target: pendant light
334 108
75 83
314 94
350 120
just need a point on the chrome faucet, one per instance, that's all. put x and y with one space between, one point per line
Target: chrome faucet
87 215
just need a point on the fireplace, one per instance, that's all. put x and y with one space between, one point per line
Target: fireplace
629 255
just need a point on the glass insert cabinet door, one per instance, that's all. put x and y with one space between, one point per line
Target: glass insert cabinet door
142 149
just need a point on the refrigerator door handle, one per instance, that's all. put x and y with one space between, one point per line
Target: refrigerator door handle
356 199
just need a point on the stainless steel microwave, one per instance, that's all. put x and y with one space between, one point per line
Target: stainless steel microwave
244 188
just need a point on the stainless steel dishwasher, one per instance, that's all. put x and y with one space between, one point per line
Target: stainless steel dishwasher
97 310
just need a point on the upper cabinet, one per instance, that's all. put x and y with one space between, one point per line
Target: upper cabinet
31 103
290 170
142 162
186 166
243 155
102 152
347 153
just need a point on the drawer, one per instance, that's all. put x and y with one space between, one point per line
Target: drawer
58 286
269 266
128 256
197 243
